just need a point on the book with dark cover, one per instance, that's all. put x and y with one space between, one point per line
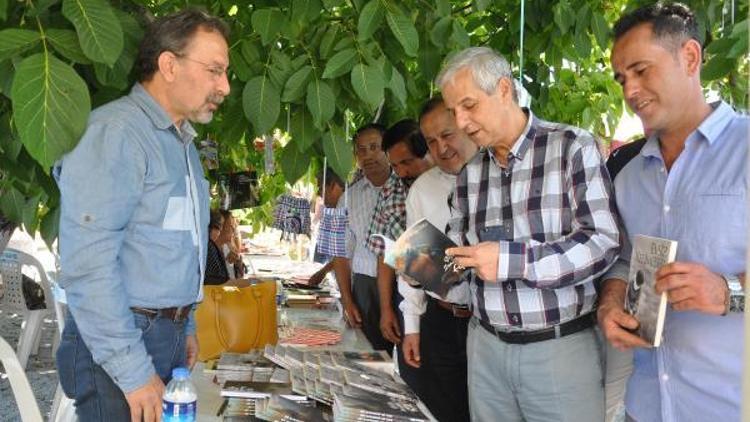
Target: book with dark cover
357 404
641 300
418 255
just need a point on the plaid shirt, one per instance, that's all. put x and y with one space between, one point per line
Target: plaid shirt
389 218
552 212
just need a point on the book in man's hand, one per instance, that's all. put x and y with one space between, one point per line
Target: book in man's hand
419 255
641 300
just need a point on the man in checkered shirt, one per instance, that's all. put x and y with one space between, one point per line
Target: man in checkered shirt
406 150
534 215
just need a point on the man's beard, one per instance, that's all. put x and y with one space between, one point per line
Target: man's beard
205 116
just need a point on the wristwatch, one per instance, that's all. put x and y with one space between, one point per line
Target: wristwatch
736 294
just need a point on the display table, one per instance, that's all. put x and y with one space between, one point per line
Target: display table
209 394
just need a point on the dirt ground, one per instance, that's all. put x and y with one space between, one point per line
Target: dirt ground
40 370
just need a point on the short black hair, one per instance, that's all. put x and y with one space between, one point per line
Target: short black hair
672 24
173 33
377 127
430 106
406 131
330 177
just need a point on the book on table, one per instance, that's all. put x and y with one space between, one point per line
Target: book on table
641 300
418 255
258 390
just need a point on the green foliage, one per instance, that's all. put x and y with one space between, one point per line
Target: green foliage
317 61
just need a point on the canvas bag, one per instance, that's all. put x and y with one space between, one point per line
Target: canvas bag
236 319
292 215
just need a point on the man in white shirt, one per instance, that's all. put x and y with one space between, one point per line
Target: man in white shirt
356 271
440 349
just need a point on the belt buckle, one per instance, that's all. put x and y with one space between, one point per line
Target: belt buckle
455 309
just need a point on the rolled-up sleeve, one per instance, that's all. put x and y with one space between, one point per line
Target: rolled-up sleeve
101 183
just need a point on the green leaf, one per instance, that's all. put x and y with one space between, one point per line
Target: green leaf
328 41
293 162
717 68
443 7
3 10
12 204
6 78
320 102
50 226
564 16
98 29
459 35
404 31
720 46
739 48
340 64
441 32
397 86
338 151
370 19
740 28
267 23
117 76
51 105
65 42
305 10
14 41
601 30
239 65
260 100
368 83
481 5
303 131
296 84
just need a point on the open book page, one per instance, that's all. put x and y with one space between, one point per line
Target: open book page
641 300
419 255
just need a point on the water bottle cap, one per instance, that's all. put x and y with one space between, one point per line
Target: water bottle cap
180 372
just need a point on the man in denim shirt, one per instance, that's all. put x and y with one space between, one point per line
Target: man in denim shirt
133 225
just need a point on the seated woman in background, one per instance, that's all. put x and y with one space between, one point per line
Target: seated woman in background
216 268
230 243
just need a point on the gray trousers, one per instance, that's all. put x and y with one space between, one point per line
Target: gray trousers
554 380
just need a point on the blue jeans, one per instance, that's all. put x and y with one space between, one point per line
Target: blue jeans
96 396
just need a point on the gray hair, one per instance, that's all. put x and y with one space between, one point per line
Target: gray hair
487 67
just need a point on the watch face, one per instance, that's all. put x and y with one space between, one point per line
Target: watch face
737 303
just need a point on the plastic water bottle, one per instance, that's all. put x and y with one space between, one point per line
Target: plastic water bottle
179 398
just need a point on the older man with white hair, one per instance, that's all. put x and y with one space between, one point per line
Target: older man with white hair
534 214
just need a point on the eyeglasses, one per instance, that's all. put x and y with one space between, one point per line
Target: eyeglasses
216 71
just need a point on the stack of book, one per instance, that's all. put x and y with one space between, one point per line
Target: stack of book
346 386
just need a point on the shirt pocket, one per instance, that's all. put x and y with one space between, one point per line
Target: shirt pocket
177 216
492 234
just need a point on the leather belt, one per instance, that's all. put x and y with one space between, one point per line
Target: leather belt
458 311
525 337
176 314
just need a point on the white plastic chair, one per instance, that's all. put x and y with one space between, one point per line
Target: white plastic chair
25 400
12 263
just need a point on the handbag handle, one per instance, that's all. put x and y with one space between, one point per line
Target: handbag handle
217 297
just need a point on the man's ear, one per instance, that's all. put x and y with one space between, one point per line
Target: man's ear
167 62
504 88
692 56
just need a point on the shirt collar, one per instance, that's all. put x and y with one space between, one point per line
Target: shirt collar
716 122
157 114
710 129
523 142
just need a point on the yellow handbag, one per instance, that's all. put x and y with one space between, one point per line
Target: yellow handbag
236 319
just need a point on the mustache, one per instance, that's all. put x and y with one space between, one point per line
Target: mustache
215 98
